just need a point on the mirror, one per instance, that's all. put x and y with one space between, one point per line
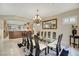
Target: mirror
49 24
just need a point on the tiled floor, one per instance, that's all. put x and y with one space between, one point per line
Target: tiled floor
10 48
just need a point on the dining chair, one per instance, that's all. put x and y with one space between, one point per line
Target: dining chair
56 45
29 43
23 43
39 46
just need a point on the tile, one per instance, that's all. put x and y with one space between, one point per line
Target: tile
10 48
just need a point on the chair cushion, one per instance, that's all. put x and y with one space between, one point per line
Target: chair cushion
53 44
42 46
50 40
64 52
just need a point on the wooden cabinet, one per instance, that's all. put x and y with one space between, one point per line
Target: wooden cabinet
15 34
19 34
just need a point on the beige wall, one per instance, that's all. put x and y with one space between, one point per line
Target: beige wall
61 28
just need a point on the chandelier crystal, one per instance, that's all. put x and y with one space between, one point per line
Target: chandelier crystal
37 18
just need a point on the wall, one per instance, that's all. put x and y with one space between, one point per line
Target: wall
61 28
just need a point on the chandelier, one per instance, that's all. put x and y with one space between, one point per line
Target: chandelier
37 18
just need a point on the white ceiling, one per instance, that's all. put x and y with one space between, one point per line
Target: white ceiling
28 10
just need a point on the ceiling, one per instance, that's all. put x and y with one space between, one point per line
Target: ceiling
28 10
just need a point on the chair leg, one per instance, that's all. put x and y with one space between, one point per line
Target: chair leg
45 52
48 49
31 47
27 44
57 52
37 52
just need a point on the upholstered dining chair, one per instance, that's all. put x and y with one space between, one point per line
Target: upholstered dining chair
39 46
29 47
56 45
29 43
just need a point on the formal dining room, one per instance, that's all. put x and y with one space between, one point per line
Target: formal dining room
39 29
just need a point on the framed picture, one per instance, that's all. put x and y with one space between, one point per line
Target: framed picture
49 24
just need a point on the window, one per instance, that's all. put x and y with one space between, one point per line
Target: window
70 20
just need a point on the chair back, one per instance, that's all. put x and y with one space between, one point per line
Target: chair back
29 42
37 52
58 46
59 39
